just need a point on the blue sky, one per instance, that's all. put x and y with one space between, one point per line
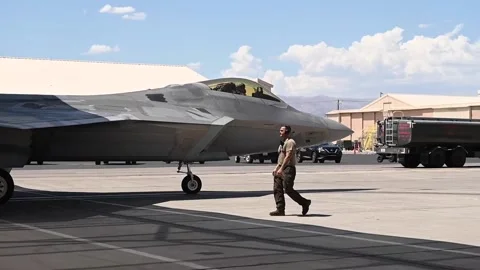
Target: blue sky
181 32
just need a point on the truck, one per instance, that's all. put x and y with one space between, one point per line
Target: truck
429 141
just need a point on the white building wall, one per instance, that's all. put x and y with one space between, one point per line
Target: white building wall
61 77
452 112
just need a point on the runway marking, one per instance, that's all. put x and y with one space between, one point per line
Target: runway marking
293 229
276 227
112 247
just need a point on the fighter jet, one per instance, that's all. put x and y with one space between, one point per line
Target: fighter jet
210 120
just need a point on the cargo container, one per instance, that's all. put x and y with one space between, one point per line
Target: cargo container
432 142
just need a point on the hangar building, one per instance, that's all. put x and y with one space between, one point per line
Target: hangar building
35 76
363 121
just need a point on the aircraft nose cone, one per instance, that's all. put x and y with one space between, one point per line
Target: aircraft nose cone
337 131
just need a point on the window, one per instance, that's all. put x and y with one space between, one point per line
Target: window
327 144
242 87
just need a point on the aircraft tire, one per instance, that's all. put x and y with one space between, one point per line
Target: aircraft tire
6 186
190 186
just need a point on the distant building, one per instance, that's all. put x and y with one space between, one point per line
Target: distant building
363 121
45 76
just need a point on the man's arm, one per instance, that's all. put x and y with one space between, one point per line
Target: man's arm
289 147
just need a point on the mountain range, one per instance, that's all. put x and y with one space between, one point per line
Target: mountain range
320 105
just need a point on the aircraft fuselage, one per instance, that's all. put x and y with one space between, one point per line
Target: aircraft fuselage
166 124
203 121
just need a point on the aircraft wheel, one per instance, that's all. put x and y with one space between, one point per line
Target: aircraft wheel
190 186
6 186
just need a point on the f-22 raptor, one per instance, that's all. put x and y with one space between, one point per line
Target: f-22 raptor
210 120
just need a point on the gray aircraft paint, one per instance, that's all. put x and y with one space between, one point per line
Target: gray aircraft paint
189 122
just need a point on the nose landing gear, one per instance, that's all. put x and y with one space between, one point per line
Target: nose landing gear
191 183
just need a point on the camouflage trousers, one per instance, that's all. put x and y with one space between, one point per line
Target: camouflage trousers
284 184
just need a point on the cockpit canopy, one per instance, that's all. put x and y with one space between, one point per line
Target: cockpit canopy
240 86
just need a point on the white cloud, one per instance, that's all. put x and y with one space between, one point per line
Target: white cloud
194 66
380 62
137 16
243 64
99 49
424 25
116 10
127 11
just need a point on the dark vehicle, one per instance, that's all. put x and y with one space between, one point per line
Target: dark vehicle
432 142
320 153
391 157
132 162
261 157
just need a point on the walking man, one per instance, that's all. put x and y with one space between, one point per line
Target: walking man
284 175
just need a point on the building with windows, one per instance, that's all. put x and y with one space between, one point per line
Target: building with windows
45 76
363 121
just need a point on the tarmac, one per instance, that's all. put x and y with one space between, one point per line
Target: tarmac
363 216
347 159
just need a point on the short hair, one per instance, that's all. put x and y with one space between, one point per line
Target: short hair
288 129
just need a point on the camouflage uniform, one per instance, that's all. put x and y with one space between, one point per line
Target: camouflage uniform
286 181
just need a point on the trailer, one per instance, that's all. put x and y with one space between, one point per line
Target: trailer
432 142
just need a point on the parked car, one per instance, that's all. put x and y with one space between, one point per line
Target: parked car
128 162
133 162
261 157
320 153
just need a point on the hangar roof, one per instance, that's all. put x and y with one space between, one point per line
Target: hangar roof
63 77
412 101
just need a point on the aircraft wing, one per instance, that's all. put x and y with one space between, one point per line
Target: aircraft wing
34 112
32 119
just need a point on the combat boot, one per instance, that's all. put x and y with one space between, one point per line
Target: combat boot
277 213
306 207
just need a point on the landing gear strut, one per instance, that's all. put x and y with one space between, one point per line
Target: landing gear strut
191 184
6 186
